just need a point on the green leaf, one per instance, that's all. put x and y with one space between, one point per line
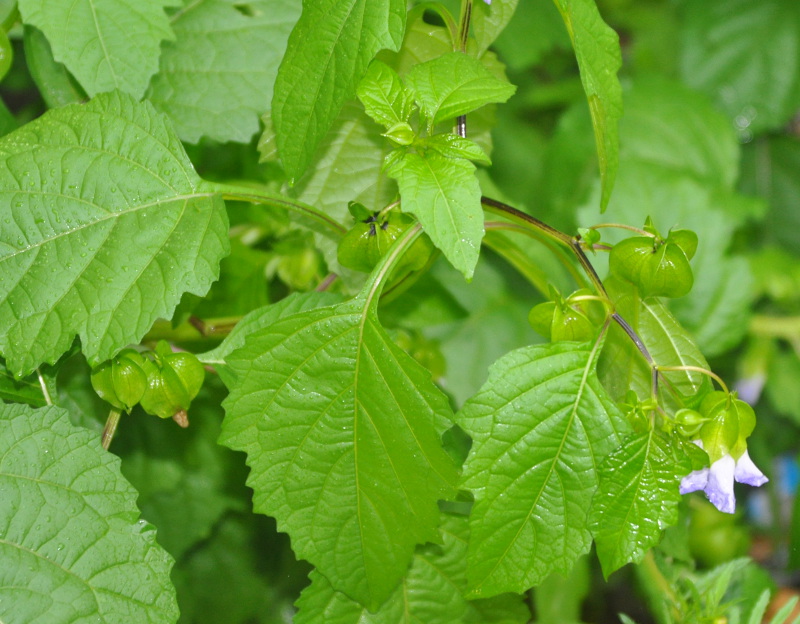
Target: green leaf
73 548
264 317
105 226
383 95
454 146
57 86
445 196
342 431
745 56
540 426
599 58
106 44
432 592
328 52
488 21
637 498
622 367
216 78
455 84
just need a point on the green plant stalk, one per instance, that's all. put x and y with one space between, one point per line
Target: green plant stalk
111 428
307 213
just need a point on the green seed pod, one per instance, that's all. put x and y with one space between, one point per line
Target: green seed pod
567 319
729 422
122 380
173 380
659 268
689 422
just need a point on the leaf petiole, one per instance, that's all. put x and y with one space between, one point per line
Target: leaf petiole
111 428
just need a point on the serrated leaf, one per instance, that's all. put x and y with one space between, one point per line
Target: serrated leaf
106 44
489 20
342 431
383 95
599 58
216 78
73 548
454 146
445 196
745 56
261 318
540 425
636 499
455 84
104 224
328 52
432 592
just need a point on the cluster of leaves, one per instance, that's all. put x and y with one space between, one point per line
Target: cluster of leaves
355 355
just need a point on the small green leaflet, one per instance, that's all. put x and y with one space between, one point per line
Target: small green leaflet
445 196
455 84
328 52
216 77
383 95
541 426
104 224
432 592
637 498
73 548
488 21
106 44
599 58
342 431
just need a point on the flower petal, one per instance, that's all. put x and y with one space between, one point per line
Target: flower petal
694 481
719 488
747 472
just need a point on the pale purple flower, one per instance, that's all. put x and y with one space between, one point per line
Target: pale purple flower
488 1
717 480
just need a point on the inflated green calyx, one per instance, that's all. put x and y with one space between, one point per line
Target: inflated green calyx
121 381
173 381
567 319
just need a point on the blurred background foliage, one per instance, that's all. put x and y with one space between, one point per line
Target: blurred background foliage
709 140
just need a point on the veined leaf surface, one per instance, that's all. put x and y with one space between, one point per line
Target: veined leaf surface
104 224
72 547
541 426
342 431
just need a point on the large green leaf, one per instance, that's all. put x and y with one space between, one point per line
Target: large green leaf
432 592
745 55
455 84
106 44
541 426
216 78
597 50
637 498
488 21
328 52
342 431
104 224
72 547
445 196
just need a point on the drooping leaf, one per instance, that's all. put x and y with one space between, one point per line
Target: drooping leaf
637 498
105 44
540 426
104 224
432 591
746 56
455 84
73 548
445 196
597 50
57 86
328 52
342 430
383 95
216 78
489 20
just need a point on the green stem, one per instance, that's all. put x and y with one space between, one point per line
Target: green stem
383 269
111 428
312 217
43 386
697 369
517 216
659 586
622 226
